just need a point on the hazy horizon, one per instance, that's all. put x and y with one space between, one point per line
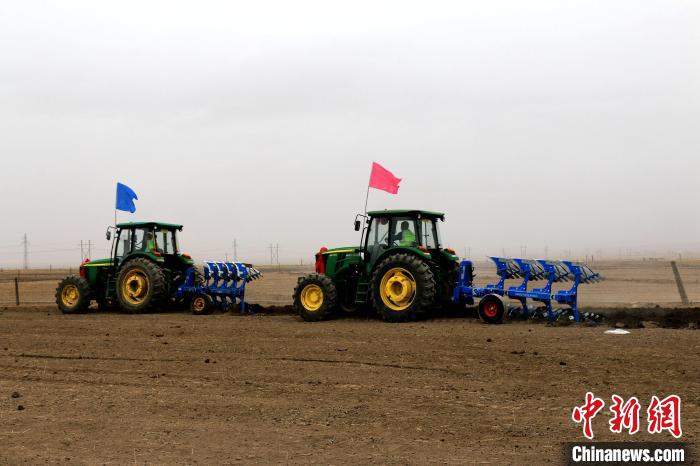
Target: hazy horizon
573 126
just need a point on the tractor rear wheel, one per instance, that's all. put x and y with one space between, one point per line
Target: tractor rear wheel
492 308
403 288
73 295
315 297
140 285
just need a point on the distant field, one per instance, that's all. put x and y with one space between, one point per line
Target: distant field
627 284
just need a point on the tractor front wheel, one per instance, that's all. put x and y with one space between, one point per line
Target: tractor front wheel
73 295
140 285
315 297
403 288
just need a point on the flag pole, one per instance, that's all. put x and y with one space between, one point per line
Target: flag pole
366 199
367 195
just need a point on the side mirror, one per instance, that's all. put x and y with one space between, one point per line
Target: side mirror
357 225
109 235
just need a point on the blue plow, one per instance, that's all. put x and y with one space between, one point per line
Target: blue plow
223 282
529 270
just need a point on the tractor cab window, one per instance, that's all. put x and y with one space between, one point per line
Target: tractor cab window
165 241
377 236
404 232
123 243
144 240
429 233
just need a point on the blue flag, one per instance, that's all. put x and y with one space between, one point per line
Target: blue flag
125 198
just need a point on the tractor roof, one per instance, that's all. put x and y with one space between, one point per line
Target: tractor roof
167 226
408 212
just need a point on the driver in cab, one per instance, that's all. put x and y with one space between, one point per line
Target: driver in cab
406 236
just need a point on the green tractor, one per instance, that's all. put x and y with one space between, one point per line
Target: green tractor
145 270
401 270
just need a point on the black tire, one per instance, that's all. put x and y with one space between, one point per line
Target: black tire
155 288
492 308
306 296
73 295
423 295
201 304
348 308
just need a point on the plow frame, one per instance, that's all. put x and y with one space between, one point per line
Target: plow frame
224 282
528 270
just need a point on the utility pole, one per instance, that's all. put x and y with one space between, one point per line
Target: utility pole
89 249
523 251
235 250
274 254
25 243
82 253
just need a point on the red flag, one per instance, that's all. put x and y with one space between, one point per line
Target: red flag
383 179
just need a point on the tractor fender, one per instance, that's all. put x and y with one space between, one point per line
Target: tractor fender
140 255
402 250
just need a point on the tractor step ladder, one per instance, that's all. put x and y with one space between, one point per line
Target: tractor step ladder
362 291
111 290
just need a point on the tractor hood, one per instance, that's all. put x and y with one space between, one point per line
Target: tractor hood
97 263
346 249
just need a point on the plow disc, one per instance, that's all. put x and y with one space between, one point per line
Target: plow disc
221 284
529 270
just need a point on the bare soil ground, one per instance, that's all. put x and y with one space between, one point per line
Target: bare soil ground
172 388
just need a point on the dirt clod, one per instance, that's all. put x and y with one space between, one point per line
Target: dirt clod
16 395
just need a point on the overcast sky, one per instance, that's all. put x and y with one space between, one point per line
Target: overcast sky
568 124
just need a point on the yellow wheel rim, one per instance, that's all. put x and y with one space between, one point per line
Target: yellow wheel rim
398 289
135 287
312 297
70 295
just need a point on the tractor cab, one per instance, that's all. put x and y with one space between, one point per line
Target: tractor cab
152 240
417 231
